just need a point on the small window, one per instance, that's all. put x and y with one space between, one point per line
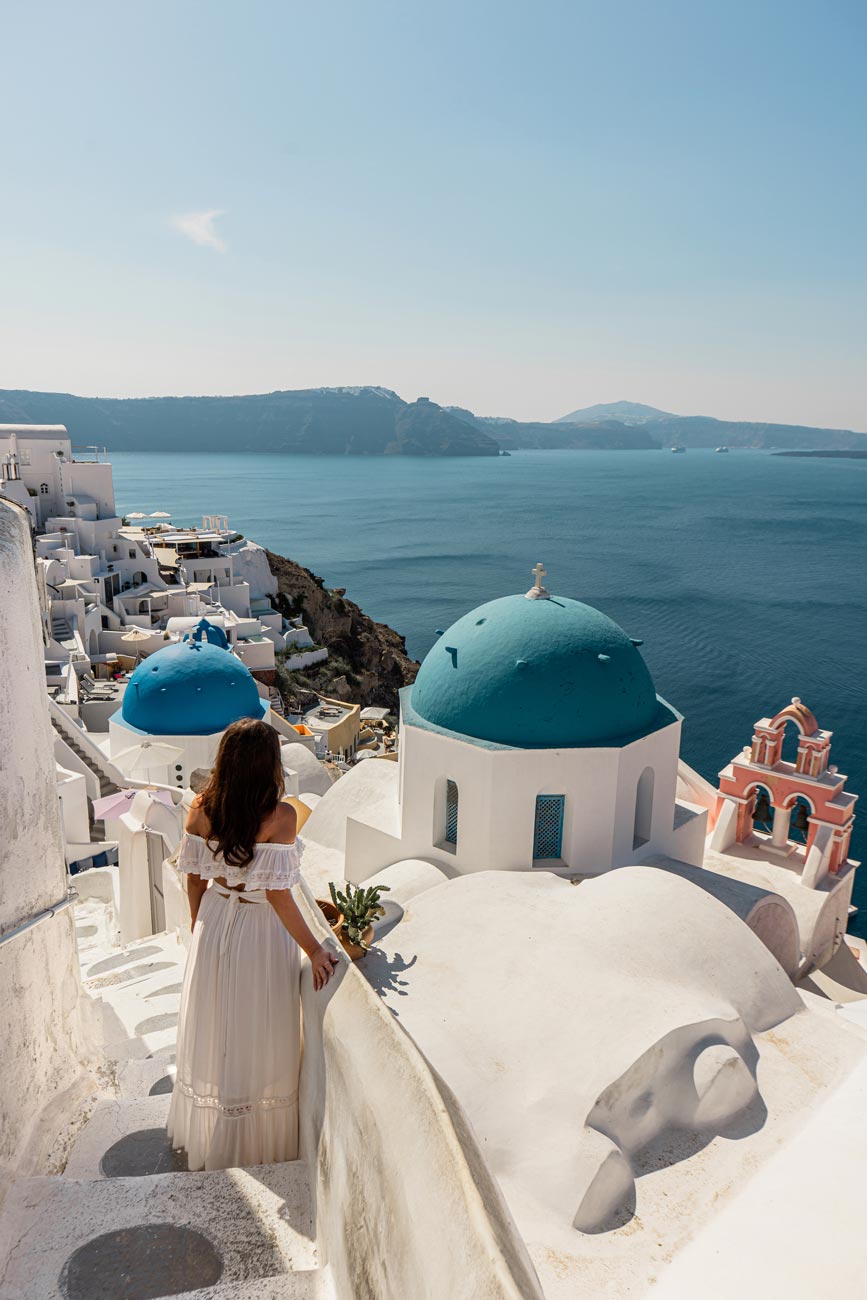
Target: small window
451 835
132 555
643 820
43 488
548 827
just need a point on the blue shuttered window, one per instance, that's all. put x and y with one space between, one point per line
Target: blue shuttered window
548 828
451 835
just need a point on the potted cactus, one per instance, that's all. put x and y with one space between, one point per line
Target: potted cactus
351 915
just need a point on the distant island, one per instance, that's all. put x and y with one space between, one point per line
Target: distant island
828 454
375 421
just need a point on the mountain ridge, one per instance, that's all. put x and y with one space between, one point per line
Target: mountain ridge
371 420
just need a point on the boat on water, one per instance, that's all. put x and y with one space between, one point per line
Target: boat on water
720 450
677 451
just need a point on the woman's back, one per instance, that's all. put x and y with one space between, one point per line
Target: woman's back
278 827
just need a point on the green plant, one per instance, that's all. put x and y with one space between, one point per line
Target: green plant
360 908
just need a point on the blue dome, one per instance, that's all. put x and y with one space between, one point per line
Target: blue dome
191 689
537 674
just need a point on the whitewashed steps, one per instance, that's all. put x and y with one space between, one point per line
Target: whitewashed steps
113 1121
259 1219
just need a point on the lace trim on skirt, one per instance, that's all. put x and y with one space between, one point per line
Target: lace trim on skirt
235 1112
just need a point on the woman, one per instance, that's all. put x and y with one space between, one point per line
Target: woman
235 1100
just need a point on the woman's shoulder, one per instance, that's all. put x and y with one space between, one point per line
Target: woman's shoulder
197 818
283 825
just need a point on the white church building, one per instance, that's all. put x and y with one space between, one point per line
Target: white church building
533 737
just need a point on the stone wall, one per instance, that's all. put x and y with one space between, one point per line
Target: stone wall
41 1044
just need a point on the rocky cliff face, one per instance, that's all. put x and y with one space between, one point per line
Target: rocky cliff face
367 661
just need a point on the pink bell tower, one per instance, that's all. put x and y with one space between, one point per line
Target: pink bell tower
809 782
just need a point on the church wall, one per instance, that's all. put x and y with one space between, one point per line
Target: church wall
497 802
41 1045
429 760
587 778
659 751
198 751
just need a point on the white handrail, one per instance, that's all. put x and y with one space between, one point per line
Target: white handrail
45 915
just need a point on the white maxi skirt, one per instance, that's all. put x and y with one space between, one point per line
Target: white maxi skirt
235 1099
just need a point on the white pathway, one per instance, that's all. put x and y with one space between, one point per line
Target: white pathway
116 1216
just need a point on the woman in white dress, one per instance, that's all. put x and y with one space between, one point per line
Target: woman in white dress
235 1099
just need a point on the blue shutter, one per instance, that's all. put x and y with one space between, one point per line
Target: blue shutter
451 836
548 828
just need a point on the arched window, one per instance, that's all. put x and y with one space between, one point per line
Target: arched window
763 810
548 827
799 827
451 824
643 809
791 741
43 488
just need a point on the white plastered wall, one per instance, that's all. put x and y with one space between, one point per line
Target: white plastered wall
42 1044
497 791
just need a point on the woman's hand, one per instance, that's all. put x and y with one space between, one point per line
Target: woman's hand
323 962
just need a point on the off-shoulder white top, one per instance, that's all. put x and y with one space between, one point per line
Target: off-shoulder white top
274 866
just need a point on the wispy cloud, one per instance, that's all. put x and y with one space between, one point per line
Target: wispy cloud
201 229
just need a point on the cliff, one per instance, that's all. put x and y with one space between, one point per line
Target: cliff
311 421
367 660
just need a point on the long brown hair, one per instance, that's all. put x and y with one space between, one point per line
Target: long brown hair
245 787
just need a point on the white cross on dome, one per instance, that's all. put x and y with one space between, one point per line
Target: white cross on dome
537 591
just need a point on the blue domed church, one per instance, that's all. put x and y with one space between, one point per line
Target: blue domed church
182 698
533 736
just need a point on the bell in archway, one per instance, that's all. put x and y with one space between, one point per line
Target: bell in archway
762 810
799 825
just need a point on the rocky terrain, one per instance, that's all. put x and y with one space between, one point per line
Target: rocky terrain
367 660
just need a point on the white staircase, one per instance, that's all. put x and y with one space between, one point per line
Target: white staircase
106 784
117 1216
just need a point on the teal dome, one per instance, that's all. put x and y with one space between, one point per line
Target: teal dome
537 674
191 689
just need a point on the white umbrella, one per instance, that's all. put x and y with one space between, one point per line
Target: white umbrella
160 514
136 514
150 753
136 634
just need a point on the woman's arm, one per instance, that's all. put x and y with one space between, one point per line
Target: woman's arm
195 893
322 961
195 885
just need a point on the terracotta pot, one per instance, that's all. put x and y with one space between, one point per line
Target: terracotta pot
333 916
354 950
335 920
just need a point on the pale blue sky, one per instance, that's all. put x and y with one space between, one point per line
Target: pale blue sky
520 208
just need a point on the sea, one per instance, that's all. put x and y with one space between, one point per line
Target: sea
744 574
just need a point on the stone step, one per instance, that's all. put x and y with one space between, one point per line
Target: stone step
285 1286
137 1080
65 1239
137 996
125 1138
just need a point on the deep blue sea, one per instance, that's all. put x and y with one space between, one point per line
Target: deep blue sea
745 574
